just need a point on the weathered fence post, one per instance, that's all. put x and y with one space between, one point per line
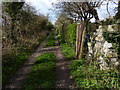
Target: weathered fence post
63 32
79 40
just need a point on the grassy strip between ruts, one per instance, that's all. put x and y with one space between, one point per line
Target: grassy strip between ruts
42 74
51 40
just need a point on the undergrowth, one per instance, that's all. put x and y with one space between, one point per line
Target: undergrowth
68 51
68 45
89 76
42 74
71 34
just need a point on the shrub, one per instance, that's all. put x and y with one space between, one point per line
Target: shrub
23 32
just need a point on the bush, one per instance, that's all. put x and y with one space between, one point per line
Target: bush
13 60
69 46
109 21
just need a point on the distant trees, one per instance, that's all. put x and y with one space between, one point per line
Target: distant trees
62 22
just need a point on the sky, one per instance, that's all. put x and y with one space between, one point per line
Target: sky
43 7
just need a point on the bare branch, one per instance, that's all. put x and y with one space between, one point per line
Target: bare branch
107 8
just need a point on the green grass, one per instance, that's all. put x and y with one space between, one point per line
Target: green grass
51 40
68 51
42 74
90 76
10 67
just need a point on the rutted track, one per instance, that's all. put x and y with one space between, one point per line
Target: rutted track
20 76
62 75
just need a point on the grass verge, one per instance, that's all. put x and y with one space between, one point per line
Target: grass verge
42 74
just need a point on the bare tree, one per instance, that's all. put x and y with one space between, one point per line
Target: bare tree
80 11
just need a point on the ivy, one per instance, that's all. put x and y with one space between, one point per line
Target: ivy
113 37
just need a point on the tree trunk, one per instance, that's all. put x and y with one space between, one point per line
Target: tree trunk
81 40
83 49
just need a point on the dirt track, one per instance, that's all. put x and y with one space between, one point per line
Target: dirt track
62 75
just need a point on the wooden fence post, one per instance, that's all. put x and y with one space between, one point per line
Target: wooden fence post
79 36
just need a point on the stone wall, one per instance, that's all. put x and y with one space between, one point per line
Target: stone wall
101 49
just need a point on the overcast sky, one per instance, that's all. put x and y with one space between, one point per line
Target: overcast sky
43 7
